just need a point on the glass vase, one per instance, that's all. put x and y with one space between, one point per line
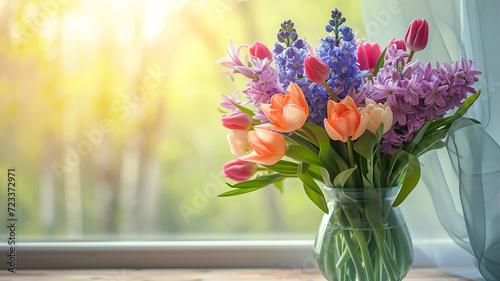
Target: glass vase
363 238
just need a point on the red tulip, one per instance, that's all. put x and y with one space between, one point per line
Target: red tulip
316 70
260 50
400 44
368 54
239 170
417 35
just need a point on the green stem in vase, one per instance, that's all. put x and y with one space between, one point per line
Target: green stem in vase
355 259
360 236
356 175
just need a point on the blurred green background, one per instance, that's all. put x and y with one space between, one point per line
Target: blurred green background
109 118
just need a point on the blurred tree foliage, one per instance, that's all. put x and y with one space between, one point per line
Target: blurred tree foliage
109 117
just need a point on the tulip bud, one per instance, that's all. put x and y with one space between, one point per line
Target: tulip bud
236 121
400 44
417 35
316 70
368 54
239 170
261 51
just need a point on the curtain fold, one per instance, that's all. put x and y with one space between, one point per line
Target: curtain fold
461 234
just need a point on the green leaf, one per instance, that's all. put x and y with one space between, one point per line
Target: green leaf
301 141
447 121
311 187
325 149
380 62
417 137
411 179
398 164
428 141
303 154
343 176
222 111
365 145
376 175
244 109
284 167
260 181
439 144
238 191
326 177
279 185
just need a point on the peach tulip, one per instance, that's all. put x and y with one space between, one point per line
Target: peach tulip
287 113
268 147
377 114
344 120
238 141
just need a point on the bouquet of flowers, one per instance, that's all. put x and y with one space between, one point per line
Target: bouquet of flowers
348 117
342 115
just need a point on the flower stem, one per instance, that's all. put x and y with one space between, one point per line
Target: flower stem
332 94
355 259
352 162
365 254
411 56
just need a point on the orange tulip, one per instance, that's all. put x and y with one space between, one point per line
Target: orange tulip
268 147
287 113
344 120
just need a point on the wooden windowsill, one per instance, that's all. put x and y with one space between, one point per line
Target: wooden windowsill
415 274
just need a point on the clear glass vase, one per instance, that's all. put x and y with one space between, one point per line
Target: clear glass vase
363 238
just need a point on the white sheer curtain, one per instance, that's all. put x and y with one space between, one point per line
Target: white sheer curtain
454 212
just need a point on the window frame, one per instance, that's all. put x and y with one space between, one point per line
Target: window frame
294 254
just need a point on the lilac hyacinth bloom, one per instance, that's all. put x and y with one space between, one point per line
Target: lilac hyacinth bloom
232 60
263 85
418 93
230 101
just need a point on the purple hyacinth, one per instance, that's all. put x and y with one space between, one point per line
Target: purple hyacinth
418 93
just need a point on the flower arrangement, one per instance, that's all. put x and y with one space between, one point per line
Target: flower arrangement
343 113
350 118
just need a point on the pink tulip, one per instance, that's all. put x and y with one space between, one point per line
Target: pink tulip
238 141
368 54
260 50
316 70
268 147
344 120
236 121
417 35
400 44
287 113
238 170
